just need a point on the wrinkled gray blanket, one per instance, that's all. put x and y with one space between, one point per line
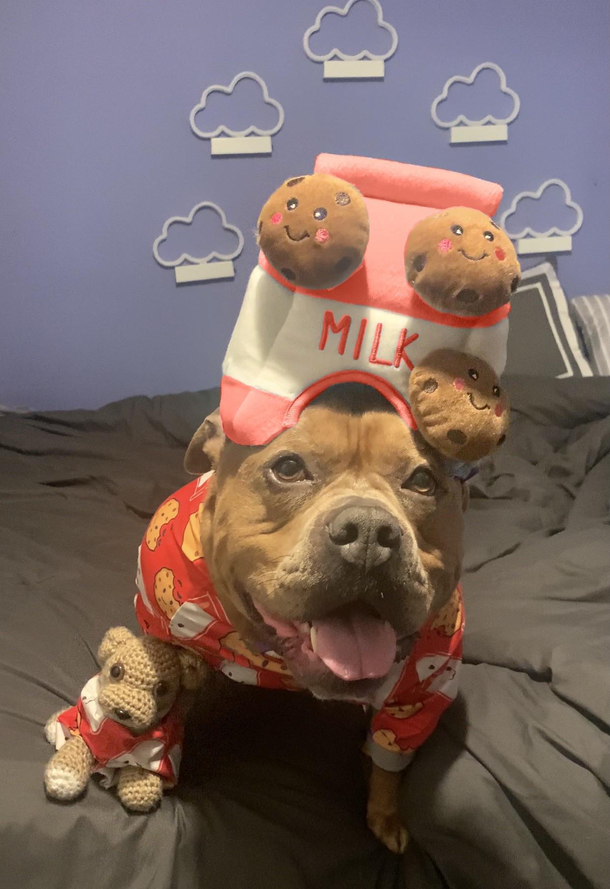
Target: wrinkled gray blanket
511 791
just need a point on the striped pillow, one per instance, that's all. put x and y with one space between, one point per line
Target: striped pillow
592 317
543 339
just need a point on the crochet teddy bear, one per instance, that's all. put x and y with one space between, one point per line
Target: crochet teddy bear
128 722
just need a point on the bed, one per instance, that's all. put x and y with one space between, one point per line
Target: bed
511 791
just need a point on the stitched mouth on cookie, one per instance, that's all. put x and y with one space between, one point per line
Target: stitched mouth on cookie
301 238
471 258
475 405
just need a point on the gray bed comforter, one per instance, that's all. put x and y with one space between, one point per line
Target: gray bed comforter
511 791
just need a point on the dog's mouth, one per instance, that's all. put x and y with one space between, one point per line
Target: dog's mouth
475 405
353 641
471 258
301 237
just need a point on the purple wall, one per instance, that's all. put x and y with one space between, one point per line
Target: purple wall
97 152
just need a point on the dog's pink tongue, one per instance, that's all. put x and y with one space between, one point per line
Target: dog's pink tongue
355 646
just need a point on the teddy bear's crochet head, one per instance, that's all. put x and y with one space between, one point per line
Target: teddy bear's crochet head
141 677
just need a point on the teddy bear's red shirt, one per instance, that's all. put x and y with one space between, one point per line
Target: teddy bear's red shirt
115 746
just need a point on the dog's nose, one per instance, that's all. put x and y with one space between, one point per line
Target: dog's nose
364 536
122 714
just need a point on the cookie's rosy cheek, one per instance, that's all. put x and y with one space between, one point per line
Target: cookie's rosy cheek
500 254
499 410
459 384
444 246
276 218
322 235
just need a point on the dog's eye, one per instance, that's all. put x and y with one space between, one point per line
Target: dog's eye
161 689
289 469
457 229
117 671
473 374
488 236
421 481
292 204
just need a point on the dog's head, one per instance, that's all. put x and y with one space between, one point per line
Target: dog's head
335 542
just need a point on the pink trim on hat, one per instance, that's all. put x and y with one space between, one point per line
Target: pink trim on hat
350 376
251 417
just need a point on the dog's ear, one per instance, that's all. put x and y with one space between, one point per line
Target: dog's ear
203 453
113 637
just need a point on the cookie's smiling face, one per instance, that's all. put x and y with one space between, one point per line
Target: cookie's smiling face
459 405
314 230
460 261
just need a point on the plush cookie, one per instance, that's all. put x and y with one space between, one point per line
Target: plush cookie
459 261
127 725
458 405
314 230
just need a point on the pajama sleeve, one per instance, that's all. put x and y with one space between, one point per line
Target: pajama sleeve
398 731
427 686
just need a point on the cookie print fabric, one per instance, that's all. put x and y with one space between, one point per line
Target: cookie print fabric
176 601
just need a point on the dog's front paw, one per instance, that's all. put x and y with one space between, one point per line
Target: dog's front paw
387 827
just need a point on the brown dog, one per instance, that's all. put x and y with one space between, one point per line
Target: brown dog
348 510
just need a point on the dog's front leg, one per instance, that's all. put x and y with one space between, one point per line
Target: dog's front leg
382 809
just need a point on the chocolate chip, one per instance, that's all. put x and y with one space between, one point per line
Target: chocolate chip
457 436
342 199
467 297
430 385
292 182
515 283
419 262
343 264
288 274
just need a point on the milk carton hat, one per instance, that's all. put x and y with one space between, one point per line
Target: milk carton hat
292 340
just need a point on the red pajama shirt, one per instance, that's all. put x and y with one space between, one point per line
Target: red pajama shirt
177 602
